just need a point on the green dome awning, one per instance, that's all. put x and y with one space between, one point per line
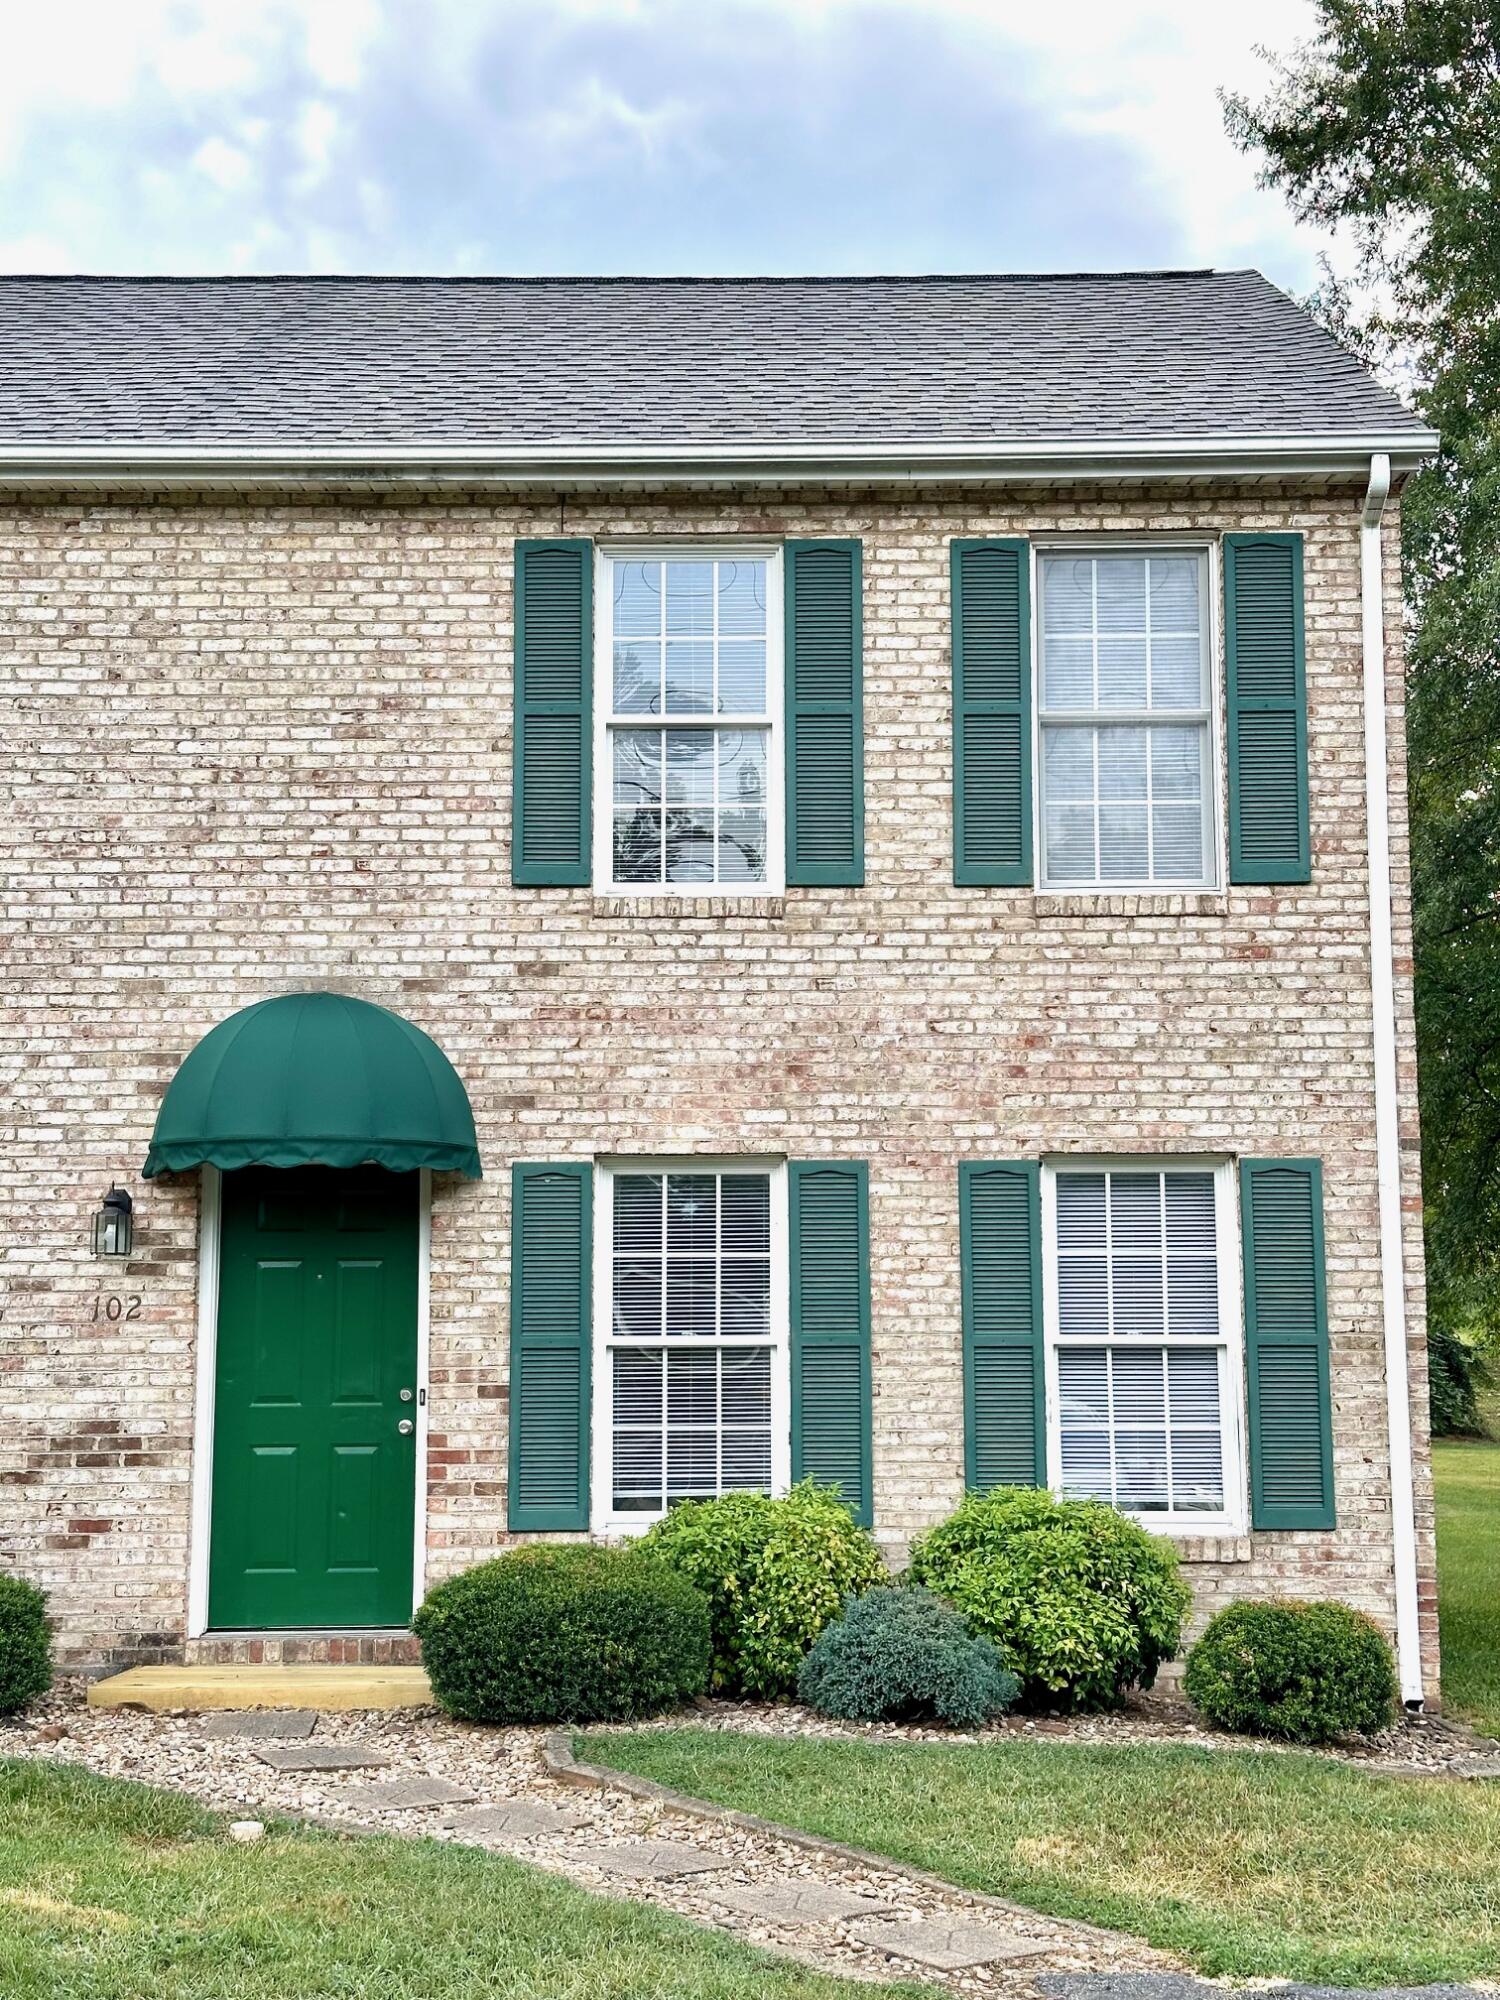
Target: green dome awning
315 1079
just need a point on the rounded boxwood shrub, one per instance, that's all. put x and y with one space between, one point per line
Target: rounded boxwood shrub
774 1572
1306 1672
564 1633
25 1644
1081 1603
903 1655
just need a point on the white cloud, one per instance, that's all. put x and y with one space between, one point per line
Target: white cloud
1150 74
339 33
35 253
200 134
316 128
595 125
228 167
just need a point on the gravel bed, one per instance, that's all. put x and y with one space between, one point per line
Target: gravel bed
499 1765
1416 1745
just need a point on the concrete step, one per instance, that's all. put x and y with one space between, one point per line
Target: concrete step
250 1686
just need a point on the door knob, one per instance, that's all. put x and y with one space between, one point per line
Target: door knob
404 1427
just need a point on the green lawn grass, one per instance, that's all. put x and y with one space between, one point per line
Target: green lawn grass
1467 1480
114 1891
1247 1863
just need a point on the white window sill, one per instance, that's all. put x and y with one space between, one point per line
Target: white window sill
657 909
623 1527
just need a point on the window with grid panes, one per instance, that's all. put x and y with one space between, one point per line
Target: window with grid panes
1141 1354
1124 706
695 1351
689 761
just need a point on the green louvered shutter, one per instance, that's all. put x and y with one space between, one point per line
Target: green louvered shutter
1000 1260
551 1233
830 1283
992 713
554 674
825 753
1286 1344
1267 689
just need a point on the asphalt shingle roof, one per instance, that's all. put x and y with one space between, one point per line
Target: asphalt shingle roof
517 362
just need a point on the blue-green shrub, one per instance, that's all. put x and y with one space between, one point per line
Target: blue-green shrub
903 1655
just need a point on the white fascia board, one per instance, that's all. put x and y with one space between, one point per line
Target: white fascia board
565 463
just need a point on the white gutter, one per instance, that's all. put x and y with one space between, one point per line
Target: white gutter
1387 1124
562 463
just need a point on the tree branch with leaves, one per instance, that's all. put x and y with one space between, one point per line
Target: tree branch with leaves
1386 125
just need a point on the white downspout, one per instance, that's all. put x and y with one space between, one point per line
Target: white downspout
1387 1126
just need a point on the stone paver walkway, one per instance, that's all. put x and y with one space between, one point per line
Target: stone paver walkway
490 1788
844 1916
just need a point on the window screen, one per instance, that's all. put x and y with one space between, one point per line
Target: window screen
1141 1355
691 1341
1127 783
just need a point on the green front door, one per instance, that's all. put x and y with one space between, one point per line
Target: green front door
314 1476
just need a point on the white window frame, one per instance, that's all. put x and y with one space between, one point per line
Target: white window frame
1233 1518
606 554
603 1518
1210 549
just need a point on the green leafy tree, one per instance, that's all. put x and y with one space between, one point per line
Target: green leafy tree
1387 124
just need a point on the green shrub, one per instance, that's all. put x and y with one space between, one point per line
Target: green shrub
774 1573
905 1656
1459 1374
1306 1672
564 1633
25 1644
1081 1603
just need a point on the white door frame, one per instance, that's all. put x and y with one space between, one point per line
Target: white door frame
210 1221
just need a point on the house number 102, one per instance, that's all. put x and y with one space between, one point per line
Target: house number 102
115 1307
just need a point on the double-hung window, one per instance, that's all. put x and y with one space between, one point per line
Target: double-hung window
1141 1310
691 1375
1125 720
686 744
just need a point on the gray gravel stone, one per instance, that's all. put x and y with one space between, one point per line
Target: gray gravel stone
799 1903
406 1794
1179 1986
283 1723
319 1757
654 1860
523 1820
950 1947
504 1767
1478 1767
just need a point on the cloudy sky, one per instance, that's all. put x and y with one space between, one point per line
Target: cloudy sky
635 136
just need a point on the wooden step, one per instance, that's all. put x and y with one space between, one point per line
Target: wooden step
211 1687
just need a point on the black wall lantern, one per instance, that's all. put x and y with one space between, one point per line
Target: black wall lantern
113 1225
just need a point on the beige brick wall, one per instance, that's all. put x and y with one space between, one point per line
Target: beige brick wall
261 746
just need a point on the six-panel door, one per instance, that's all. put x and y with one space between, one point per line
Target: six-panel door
314 1476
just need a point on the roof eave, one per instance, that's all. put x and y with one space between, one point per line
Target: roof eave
568 464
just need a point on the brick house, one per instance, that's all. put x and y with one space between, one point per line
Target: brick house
874 808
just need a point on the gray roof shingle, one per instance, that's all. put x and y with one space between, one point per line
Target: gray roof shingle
657 363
